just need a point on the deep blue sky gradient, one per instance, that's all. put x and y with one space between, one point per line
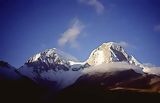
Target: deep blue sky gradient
31 26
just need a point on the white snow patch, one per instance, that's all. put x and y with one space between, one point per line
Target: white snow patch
134 61
100 57
35 58
74 64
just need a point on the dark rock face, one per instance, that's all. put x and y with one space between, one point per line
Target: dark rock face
119 54
41 66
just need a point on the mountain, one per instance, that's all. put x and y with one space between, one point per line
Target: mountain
111 67
118 77
113 76
53 68
108 73
58 70
8 72
120 87
110 52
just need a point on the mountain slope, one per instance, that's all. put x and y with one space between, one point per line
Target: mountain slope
145 83
53 68
8 72
113 68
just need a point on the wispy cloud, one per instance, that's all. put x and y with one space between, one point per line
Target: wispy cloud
124 44
99 7
152 70
157 28
111 67
71 34
149 64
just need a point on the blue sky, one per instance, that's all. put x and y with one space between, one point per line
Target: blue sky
78 26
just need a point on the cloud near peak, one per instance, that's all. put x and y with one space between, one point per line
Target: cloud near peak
152 70
124 44
71 34
99 7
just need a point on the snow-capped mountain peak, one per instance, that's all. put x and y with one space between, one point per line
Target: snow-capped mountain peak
53 66
50 59
106 53
52 54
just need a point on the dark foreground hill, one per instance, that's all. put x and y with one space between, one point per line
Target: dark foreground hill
26 91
